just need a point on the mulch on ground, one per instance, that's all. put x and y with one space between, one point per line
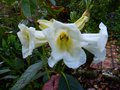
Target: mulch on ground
112 57
104 75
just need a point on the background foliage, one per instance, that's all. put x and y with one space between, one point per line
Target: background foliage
12 12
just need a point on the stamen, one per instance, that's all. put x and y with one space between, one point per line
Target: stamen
64 42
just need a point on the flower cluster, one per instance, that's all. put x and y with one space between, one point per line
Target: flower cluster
66 41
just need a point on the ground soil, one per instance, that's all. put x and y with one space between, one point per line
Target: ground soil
105 75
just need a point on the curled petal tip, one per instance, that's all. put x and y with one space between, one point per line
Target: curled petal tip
102 26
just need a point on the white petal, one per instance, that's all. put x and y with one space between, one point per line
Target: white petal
22 40
50 36
52 61
72 31
39 38
26 36
98 40
22 27
76 59
98 55
91 38
103 27
39 35
26 52
55 57
103 36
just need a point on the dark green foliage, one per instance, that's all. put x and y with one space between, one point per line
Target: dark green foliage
26 8
108 12
68 82
27 76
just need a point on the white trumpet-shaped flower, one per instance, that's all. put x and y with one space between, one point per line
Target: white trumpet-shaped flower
30 39
96 43
65 42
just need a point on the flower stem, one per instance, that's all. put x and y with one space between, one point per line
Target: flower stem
66 80
45 61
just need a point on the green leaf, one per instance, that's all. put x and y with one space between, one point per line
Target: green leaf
33 6
29 8
8 77
45 78
53 2
68 82
6 60
4 71
73 16
38 75
17 63
85 1
26 8
4 43
27 76
88 4
1 63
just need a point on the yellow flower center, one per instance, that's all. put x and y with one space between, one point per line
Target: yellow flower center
64 42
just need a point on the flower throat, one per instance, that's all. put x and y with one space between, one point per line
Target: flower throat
64 42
